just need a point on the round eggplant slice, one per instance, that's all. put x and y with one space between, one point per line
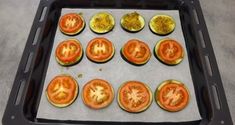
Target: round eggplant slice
132 22
102 22
162 24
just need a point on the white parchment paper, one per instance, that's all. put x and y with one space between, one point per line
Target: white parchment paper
117 71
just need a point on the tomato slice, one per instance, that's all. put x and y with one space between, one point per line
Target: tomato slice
136 52
162 24
71 23
102 22
134 96
97 94
132 22
62 91
100 49
172 95
69 52
169 51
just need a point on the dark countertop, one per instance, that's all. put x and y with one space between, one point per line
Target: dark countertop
16 17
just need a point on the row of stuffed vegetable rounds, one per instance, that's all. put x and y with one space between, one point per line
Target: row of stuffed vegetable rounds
134 51
103 22
132 96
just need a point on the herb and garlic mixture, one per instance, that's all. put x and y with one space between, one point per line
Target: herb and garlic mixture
162 24
102 22
132 21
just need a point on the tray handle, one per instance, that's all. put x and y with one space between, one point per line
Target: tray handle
22 81
220 112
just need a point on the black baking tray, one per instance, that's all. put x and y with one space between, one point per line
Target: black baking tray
25 95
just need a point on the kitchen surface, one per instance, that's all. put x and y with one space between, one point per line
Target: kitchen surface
16 18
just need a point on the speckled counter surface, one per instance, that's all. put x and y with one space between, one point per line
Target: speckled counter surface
16 17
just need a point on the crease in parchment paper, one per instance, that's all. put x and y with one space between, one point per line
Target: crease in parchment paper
117 71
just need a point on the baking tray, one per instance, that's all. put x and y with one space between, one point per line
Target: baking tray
25 96
117 71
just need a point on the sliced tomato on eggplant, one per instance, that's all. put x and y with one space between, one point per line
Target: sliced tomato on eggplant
100 50
134 96
136 52
97 94
71 23
69 52
62 91
172 95
169 51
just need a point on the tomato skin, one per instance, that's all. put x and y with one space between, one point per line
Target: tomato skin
104 50
97 94
162 24
71 23
70 59
136 52
159 52
72 92
144 101
178 87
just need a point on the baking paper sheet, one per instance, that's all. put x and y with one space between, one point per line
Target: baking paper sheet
117 71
